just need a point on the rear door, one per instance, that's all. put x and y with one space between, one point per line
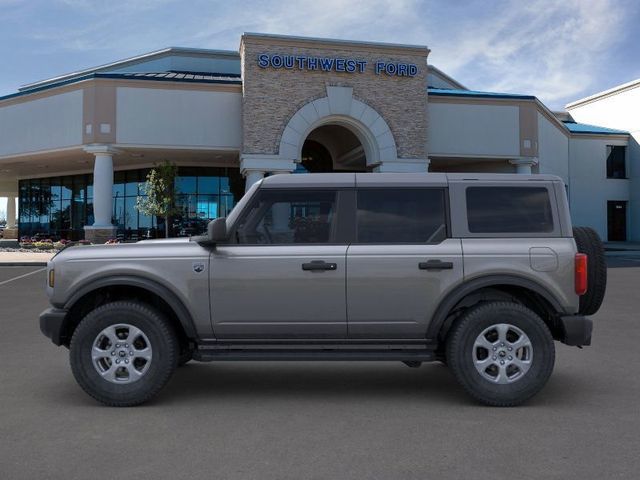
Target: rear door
401 262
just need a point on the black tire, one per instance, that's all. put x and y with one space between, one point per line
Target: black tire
460 353
588 242
163 341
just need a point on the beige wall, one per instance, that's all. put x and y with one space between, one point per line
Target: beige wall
43 123
473 129
196 118
271 97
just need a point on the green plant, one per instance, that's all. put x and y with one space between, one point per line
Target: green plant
159 193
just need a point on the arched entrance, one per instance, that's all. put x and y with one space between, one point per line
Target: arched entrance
332 148
337 133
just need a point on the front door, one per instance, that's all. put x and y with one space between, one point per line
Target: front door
401 262
284 276
617 221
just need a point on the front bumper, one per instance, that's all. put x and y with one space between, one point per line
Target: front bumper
52 322
576 330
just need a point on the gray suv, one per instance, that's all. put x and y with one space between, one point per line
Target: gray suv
480 272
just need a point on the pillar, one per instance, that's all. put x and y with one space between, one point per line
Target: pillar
251 177
523 165
102 228
11 232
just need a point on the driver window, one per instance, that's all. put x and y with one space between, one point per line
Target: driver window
280 217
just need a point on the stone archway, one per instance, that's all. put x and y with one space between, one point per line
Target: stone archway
341 109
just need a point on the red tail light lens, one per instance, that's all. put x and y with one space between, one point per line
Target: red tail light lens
581 273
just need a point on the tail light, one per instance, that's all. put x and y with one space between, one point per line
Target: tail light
581 273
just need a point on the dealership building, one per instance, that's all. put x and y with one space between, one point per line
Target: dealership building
75 148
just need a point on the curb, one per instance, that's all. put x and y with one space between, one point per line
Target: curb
23 264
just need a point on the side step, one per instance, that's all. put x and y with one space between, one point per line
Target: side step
313 354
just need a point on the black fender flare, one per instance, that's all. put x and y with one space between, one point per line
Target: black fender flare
458 293
181 311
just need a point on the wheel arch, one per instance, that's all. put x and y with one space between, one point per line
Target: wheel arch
115 287
525 290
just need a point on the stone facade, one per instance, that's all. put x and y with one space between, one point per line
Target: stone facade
272 96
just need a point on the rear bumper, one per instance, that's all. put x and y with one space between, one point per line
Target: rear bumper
52 323
576 330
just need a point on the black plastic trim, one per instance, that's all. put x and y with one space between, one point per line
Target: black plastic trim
52 322
183 314
445 306
576 330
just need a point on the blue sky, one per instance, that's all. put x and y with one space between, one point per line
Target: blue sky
557 50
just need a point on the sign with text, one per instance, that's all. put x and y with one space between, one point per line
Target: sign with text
340 65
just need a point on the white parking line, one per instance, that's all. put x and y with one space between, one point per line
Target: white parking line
21 276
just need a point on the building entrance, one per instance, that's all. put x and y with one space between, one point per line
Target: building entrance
332 148
617 221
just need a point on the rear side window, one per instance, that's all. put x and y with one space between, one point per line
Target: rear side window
509 210
414 215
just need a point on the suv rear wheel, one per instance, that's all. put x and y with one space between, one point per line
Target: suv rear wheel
501 352
123 353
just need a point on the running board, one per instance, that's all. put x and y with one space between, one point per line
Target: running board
313 354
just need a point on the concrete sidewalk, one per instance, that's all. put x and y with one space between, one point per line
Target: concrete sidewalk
19 259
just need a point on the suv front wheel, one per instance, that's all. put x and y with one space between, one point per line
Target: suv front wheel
501 352
122 353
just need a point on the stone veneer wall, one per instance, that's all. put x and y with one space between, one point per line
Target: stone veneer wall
272 96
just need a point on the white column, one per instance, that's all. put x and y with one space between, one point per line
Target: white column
11 211
102 189
251 177
523 165
102 228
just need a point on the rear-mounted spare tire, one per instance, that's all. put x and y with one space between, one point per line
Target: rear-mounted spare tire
589 243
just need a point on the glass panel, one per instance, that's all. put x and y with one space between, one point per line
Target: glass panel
131 187
208 185
509 210
118 213
401 216
131 215
67 188
186 184
207 207
118 184
616 167
225 187
65 215
285 217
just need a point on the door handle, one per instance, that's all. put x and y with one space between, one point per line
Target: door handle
319 266
435 265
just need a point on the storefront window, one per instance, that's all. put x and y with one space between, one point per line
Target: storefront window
59 207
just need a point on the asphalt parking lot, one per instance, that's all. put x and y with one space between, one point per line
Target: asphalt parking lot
320 420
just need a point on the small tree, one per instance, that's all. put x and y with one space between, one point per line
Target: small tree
159 193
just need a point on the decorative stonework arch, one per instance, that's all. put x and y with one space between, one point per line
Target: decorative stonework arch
340 108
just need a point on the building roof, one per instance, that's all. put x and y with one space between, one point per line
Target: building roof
585 128
446 92
187 77
145 57
604 93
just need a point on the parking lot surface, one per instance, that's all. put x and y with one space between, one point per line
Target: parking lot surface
326 420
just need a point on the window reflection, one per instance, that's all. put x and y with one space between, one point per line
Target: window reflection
59 207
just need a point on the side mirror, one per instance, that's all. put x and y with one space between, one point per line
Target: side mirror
217 230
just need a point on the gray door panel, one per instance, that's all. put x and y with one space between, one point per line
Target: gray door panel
263 292
389 295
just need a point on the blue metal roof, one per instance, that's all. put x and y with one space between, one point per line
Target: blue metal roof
449 92
593 129
158 76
